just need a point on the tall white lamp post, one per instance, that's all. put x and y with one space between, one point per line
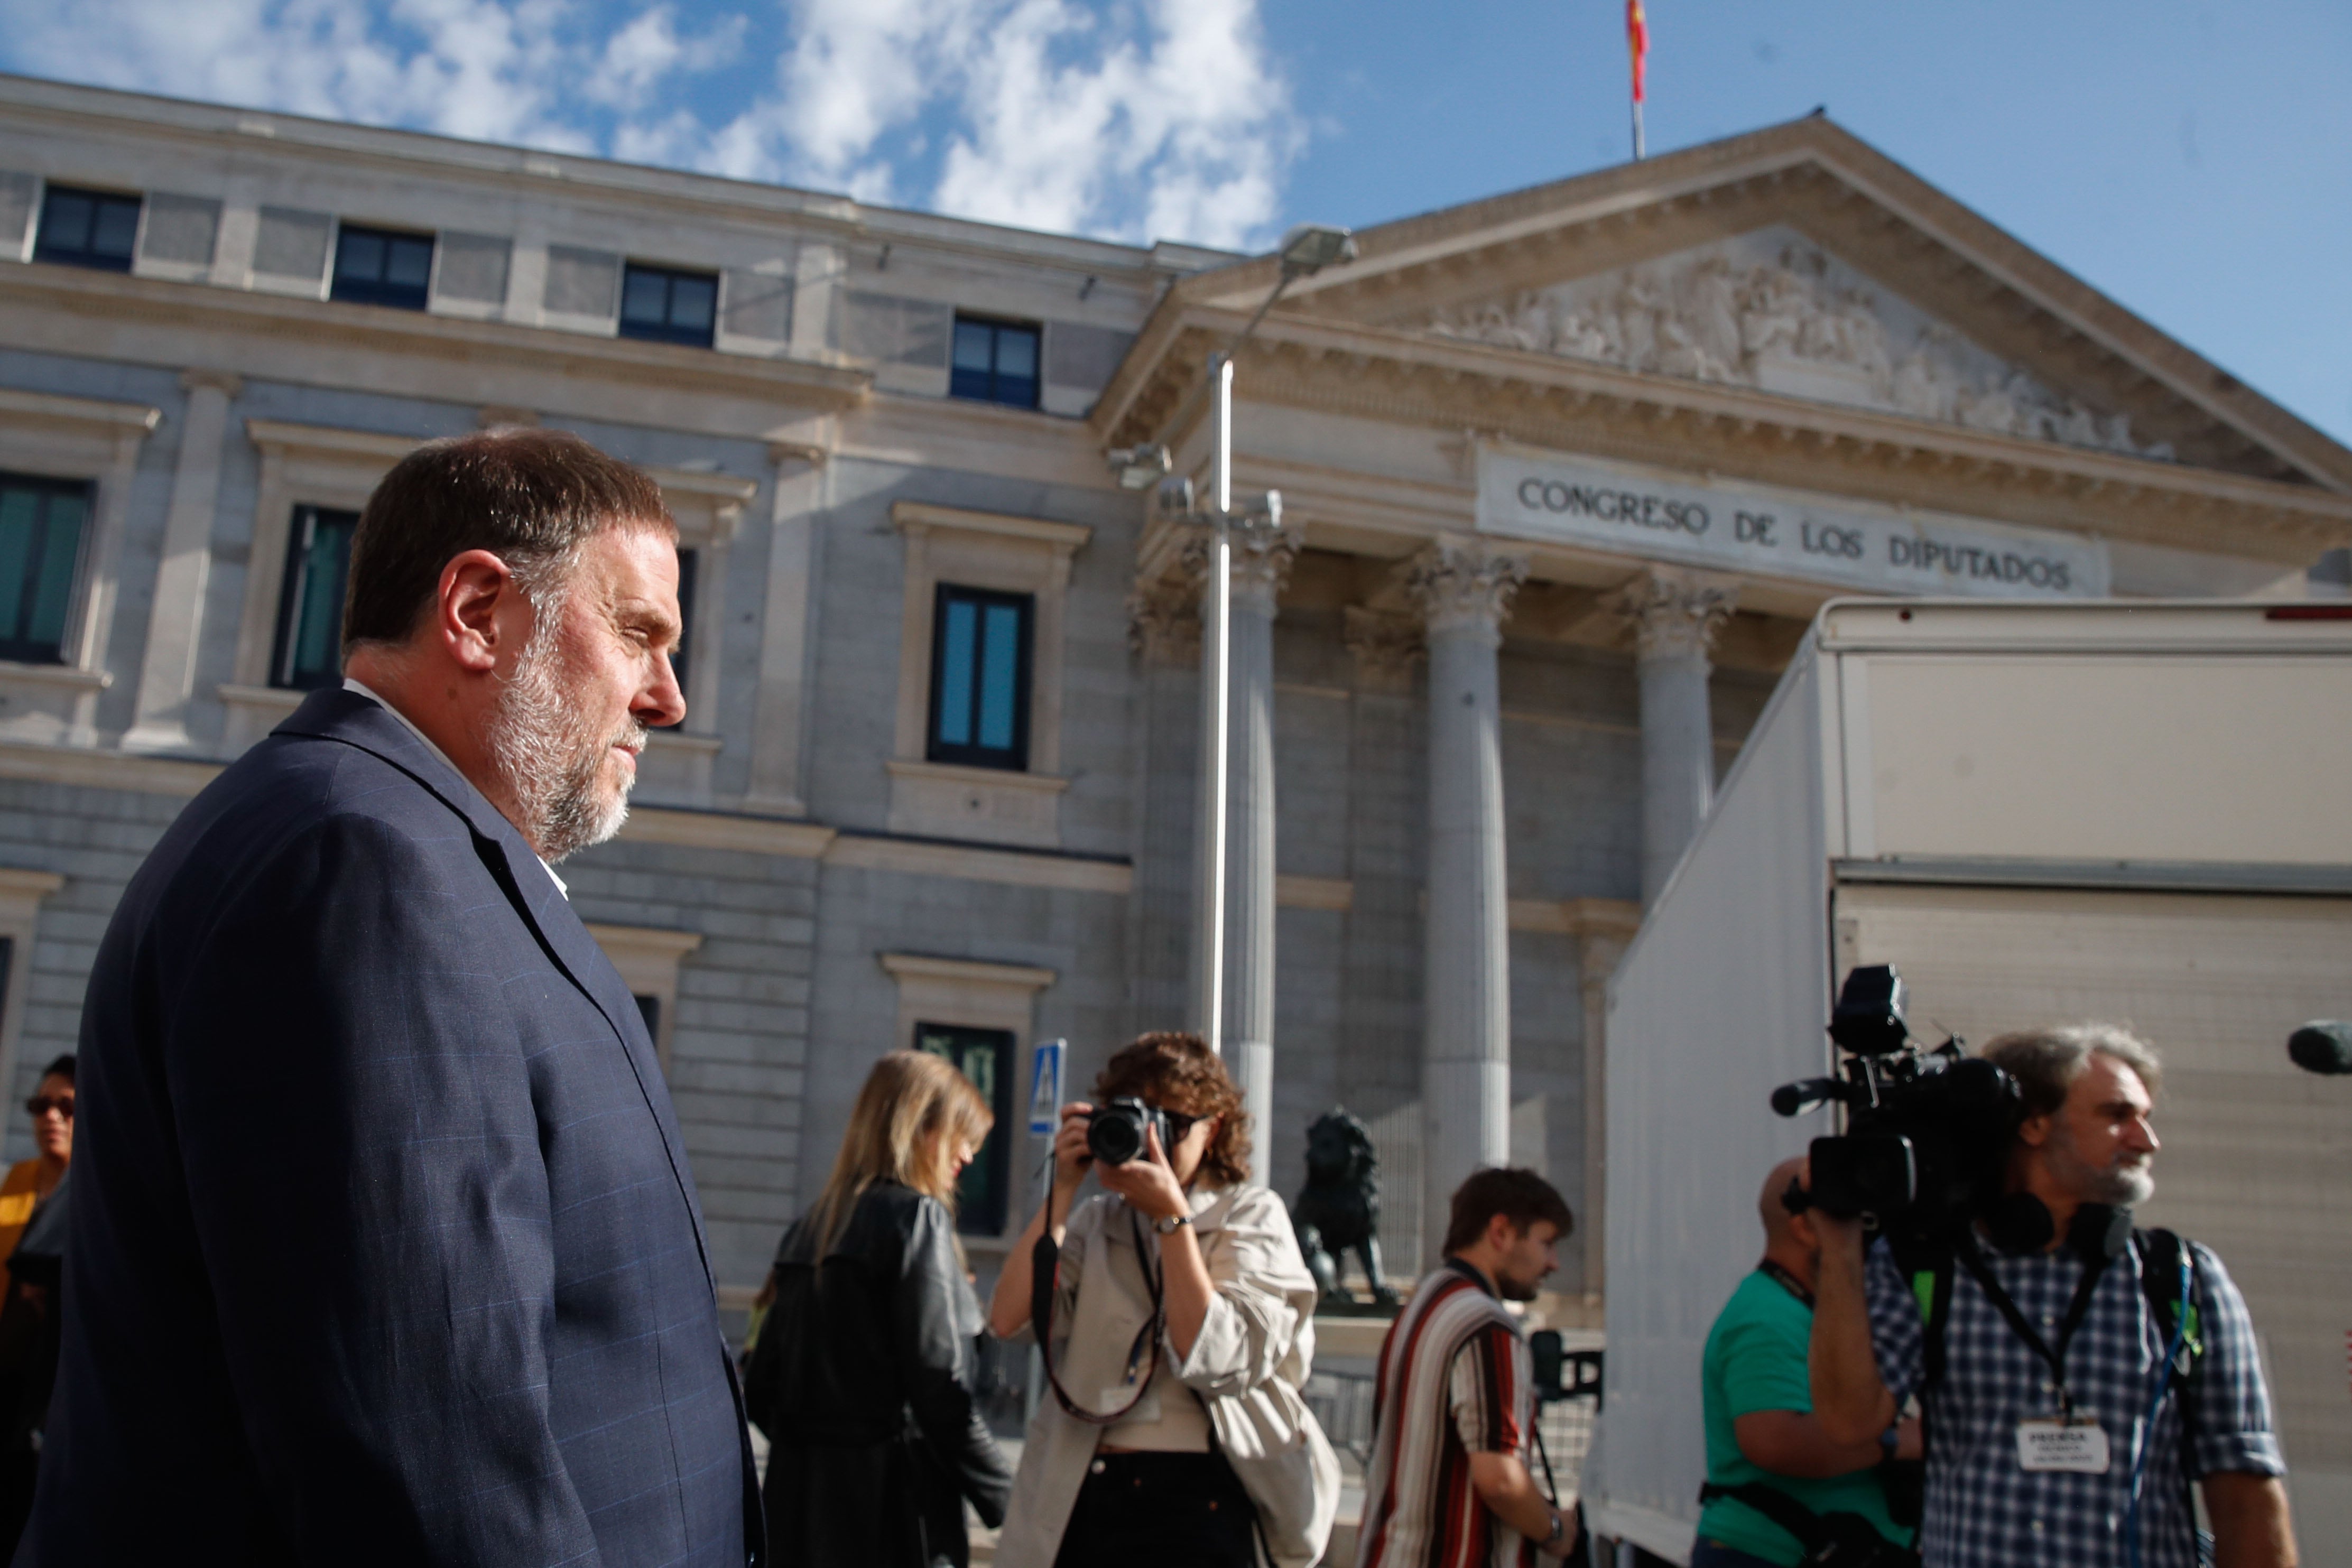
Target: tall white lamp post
1305 250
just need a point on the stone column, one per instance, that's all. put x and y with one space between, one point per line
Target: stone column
1676 616
1261 562
167 667
1464 594
1597 955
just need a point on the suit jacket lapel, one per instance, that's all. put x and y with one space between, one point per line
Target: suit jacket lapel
354 720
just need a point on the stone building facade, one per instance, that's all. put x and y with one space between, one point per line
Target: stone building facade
1567 473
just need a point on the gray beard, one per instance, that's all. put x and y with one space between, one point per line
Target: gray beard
2121 1186
548 755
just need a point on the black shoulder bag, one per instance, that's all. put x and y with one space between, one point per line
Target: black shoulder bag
1836 1539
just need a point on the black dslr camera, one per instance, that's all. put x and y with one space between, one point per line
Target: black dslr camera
1927 1132
1115 1130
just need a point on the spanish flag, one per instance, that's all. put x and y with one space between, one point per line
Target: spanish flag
1637 39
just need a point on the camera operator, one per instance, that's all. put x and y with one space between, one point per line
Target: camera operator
2068 1400
1770 1464
1178 1333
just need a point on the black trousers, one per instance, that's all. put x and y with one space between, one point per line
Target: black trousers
1160 1511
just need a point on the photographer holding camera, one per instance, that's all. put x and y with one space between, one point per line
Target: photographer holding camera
1176 1328
2076 1376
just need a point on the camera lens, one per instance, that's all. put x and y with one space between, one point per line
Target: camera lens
1116 1135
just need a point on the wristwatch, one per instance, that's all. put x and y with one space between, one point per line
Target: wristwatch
1169 1227
1891 1439
1559 1527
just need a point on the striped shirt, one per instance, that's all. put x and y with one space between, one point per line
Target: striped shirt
1454 1380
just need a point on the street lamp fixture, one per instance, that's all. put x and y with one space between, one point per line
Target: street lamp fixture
1311 247
1139 467
1304 251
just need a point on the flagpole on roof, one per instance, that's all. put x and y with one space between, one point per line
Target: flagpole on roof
1637 44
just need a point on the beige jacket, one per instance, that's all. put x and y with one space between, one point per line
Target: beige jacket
1250 1361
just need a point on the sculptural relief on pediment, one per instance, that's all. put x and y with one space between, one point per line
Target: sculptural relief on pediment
1772 310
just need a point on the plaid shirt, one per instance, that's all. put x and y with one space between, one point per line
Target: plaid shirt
1985 1511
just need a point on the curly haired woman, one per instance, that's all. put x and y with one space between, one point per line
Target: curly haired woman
1181 1328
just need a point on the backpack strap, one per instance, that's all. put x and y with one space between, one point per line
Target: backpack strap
2161 1253
1929 1266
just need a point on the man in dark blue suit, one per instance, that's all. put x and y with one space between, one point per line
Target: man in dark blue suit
384 1247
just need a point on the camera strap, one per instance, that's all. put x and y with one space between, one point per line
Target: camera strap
1045 1267
2054 1356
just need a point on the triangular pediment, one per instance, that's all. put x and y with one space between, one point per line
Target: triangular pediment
1772 310
1795 261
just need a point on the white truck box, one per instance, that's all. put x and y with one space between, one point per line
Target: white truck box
2133 812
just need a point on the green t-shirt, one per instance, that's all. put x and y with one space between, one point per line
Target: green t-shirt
1756 1361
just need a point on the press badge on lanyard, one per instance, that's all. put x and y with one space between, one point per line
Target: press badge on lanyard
2073 1442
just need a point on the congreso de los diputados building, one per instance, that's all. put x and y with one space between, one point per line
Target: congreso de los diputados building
1565 472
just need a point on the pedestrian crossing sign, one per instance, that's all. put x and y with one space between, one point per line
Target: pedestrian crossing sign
1045 1088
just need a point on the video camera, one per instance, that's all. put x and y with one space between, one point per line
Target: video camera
1927 1132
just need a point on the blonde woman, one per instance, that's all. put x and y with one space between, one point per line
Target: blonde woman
862 1374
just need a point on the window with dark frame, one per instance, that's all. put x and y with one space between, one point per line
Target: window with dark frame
382 267
308 653
88 228
985 1057
995 361
980 677
42 525
665 305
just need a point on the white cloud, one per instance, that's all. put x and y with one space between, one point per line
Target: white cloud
499 70
1171 123
1152 119
645 52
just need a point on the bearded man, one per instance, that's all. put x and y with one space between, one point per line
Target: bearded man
2075 1376
383 1249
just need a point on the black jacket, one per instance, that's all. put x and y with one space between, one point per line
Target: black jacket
863 1381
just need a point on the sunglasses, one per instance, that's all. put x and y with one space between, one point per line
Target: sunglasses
41 1104
1178 1125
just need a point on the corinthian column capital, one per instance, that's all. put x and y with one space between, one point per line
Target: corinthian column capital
1463 586
1163 622
1261 565
1675 613
1386 645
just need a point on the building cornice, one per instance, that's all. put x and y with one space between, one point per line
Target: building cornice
966 972
654 194
68 298
87 414
1557 404
1064 538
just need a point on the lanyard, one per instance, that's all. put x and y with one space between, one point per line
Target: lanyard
1973 1261
1786 1281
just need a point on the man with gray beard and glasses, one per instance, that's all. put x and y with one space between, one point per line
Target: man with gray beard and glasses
384 1247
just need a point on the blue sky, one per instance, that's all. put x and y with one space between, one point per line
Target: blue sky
2190 159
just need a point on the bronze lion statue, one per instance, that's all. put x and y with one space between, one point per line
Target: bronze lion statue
1339 1209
